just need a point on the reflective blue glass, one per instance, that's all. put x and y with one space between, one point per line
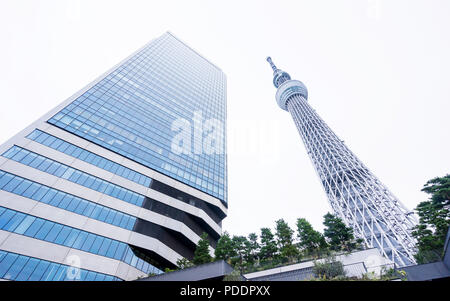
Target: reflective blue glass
51 272
28 225
53 233
62 236
14 221
25 224
88 242
20 267
44 230
39 271
131 110
6 263
76 177
15 269
27 269
68 202
34 228
89 157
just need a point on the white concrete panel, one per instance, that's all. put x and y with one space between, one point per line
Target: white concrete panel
64 135
3 236
60 254
72 219
116 179
135 166
2 160
107 230
155 245
124 271
119 205
89 194
169 223
76 189
35 248
13 201
59 215
134 274
47 152
93 262
90 225
92 170
183 206
86 193
29 173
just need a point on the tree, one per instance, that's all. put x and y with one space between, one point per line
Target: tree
285 240
439 188
328 268
184 263
225 249
201 253
312 241
252 248
434 220
239 245
268 248
340 237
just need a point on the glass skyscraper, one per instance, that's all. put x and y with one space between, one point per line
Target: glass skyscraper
95 189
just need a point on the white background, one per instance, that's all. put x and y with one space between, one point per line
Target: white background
377 72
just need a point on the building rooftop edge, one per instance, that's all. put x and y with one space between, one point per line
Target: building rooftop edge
200 55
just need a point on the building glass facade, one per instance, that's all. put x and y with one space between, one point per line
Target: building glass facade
132 109
96 178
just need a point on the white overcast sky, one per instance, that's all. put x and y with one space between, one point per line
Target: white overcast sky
377 72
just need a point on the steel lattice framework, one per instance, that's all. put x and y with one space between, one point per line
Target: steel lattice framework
354 193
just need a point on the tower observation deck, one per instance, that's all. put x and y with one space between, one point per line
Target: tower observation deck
355 194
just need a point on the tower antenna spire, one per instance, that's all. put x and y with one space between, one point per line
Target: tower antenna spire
355 194
269 59
279 76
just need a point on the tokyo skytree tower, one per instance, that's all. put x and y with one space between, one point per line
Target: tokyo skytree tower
354 193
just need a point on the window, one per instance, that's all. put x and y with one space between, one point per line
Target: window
71 238
34 228
39 271
15 269
14 222
44 230
62 236
25 224
88 243
53 233
28 269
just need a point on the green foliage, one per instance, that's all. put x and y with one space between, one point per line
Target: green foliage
329 268
184 263
201 254
240 246
225 249
311 241
284 235
434 220
391 274
252 249
268 248
273 250
439 188
340 237
233 276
